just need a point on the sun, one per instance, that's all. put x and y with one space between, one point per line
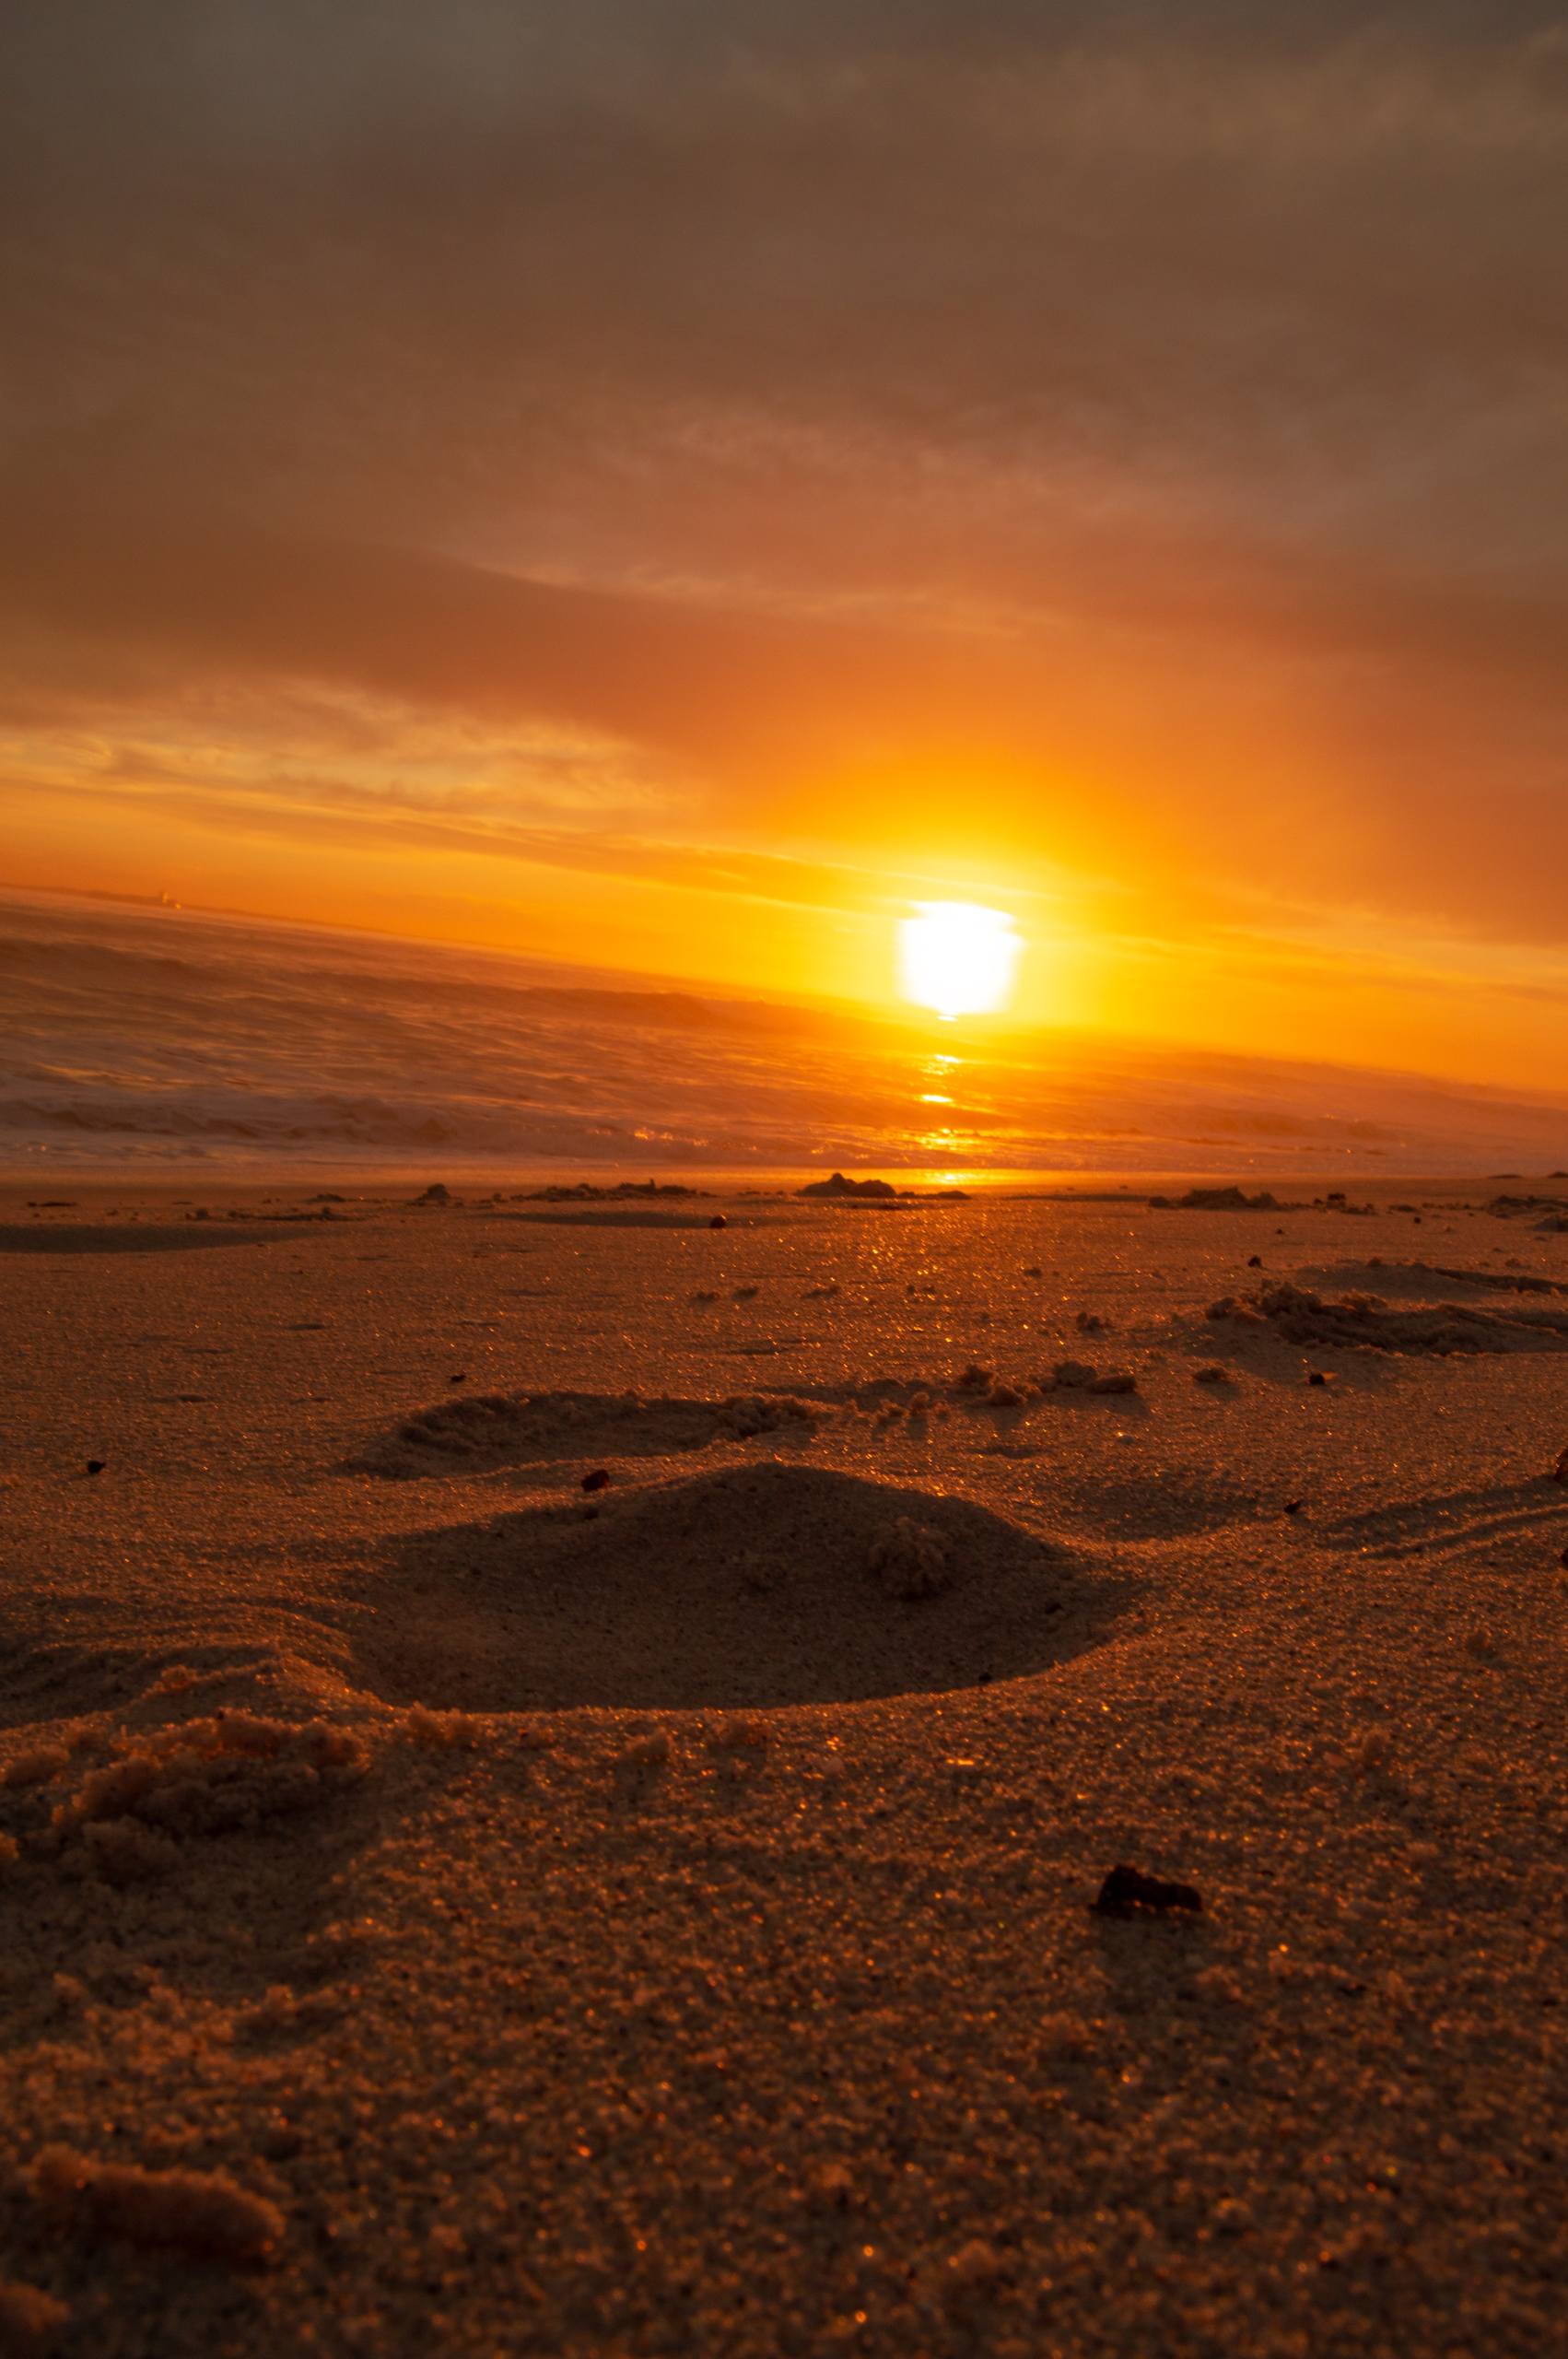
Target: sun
957 958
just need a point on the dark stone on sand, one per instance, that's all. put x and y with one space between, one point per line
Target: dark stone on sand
461 1378
1225 1200
839 1186
1293 1507
598 1480
719 1221
584 1191
438 1193
1255 1260
1316 1376
1128 1888
1559 1471
96 1465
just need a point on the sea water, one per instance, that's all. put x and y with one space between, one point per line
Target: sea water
156 1035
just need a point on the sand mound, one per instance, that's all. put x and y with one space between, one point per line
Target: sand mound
755 1585
1365 1322
493 1429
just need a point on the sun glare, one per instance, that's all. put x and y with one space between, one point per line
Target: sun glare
958 958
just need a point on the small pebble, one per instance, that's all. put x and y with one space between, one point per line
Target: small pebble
598 1480
1128 1888
97 1465
719 1221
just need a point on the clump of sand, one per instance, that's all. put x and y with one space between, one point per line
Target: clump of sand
130 1813
910 1559
30 2321
1081 1376
746 1415
203 2213
1366 1322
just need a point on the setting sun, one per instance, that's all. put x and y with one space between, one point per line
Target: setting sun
958 958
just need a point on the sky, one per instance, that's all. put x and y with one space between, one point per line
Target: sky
675 485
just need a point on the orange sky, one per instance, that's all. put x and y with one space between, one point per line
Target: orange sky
670 485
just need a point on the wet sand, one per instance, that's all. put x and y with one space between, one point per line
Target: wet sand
451 1909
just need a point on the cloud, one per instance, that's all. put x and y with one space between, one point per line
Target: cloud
1122 438
1102 740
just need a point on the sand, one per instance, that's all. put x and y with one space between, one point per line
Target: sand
450 1908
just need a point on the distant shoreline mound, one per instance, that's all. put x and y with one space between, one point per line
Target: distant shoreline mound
838 1190
1216 1199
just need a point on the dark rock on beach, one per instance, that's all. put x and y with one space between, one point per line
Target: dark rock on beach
1126 1889
874 1190
1225 1200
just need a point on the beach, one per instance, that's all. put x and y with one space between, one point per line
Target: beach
455 1902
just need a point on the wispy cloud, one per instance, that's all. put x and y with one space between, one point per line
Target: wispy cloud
1125 443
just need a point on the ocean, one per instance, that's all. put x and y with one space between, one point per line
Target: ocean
146 1037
